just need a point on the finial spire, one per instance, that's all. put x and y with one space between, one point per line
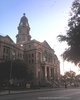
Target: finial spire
24 14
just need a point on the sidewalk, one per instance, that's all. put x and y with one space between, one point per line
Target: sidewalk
6 92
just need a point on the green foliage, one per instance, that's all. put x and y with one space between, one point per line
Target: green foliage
5 70
70 74
72 37
69 77
19 71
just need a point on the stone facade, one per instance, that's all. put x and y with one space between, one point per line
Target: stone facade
39 56
8 49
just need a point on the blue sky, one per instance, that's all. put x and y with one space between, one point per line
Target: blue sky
45 16
47 19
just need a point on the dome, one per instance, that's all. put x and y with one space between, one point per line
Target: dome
24 19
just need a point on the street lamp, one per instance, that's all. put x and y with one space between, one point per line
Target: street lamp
11 80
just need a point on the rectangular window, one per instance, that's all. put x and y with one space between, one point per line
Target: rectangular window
32 61
52 72
18 54
32 55
3 56
39 56
29 56
29 61
0 45
4 50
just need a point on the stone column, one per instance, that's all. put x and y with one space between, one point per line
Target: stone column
49 73
45 72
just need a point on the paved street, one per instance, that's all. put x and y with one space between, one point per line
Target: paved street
59 94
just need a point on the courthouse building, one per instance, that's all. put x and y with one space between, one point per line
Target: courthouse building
39 56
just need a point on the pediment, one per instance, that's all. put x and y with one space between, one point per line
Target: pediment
46 44
7 39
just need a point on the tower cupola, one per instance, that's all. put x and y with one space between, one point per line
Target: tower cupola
24 20
23 31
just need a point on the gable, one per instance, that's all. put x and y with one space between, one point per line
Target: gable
6 39
46 44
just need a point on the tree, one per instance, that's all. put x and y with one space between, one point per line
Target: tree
4 70
70 77
77 78
70 74
19 70
72 37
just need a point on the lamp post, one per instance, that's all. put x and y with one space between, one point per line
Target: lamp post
10 79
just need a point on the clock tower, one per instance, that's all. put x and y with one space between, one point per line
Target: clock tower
23 31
